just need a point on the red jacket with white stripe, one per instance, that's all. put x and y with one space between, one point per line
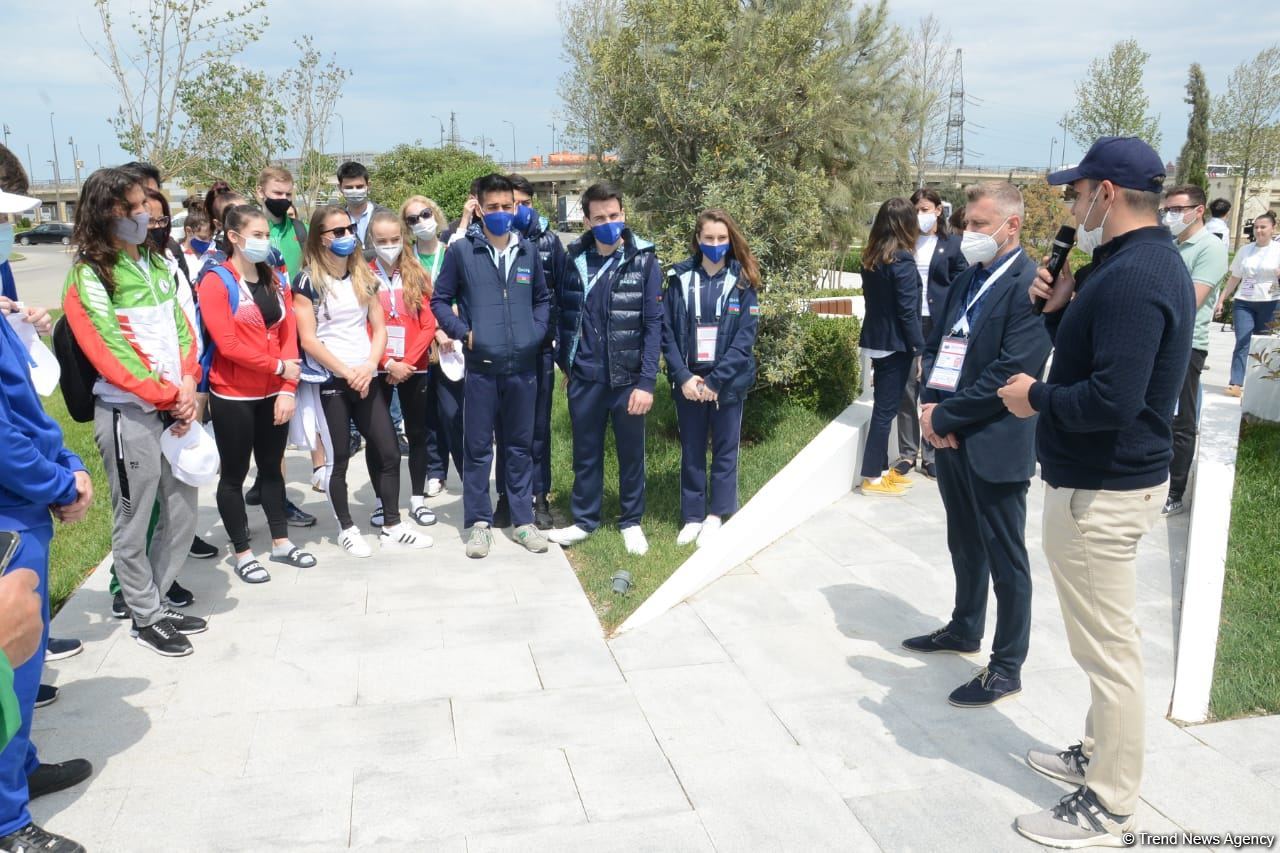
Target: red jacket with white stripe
248 352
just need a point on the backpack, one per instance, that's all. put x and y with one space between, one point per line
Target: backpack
233 300
78 373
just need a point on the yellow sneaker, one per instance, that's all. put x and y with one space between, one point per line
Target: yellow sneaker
896 479
884 488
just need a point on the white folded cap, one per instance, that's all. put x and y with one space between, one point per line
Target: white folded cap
193 456
453 364
45 370
14 203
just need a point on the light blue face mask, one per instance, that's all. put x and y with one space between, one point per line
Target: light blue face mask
343 246
6 241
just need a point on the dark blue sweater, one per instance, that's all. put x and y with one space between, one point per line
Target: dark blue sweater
39 470
1120 356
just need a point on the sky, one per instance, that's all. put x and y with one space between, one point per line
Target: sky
414 59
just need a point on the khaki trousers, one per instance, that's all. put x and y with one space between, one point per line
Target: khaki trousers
1091 541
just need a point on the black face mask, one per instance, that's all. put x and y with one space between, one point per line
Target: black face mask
278 207
159 237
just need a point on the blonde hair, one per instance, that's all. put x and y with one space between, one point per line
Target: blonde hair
363 282
415 279
436 213
274 173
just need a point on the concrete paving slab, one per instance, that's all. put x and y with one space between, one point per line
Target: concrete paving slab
668 834
576 662
679 637
629 779
548 719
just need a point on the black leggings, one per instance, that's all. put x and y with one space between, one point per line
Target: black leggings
242 427
413 407
373 418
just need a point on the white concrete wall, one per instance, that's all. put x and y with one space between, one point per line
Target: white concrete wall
819 474
1262 395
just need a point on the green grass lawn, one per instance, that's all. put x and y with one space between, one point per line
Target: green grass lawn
774 431
1246 678
78 548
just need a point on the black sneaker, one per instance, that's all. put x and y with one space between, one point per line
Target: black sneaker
253 497
59 649
185 622
903 467
985 688
542 513
163 639
51 778
940 640
930 471
403 441
1173 506
178 596
202 550
46 694
296 517
119 609
502 513
33 839
356 443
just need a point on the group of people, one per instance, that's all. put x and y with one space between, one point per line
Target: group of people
959 330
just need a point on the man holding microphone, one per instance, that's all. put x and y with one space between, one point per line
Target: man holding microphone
1104 439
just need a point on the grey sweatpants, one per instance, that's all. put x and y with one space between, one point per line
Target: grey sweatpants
140 476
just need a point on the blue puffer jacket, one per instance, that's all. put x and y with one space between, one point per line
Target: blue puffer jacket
633 328
734 369
553 256
507 319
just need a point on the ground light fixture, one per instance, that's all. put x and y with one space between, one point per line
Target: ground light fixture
621 582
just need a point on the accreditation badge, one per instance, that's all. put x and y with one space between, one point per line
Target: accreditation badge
707 333
945 375
395 341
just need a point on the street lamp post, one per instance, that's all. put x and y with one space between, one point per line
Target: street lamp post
553 141
342 130
437 118
75 159
1053 143
513 139
53 137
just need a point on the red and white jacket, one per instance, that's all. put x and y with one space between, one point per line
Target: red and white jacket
409 333
248 352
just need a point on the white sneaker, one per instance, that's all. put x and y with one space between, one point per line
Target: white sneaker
571 535
403 538
689 533
353 543
710 527
633 538
434 487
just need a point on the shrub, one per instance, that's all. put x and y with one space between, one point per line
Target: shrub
828 378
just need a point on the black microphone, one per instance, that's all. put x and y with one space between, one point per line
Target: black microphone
1062 243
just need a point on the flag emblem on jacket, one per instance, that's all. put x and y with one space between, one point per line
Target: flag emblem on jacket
754 310
523 276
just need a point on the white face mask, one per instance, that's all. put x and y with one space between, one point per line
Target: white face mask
256 249
927 221
388 254
425 229
979 248
1088 240
355 196
1173 221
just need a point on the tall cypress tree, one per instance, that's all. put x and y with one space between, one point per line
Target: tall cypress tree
1191 162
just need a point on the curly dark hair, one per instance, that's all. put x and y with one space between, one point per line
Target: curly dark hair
103 193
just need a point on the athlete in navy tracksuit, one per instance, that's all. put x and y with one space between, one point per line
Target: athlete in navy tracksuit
610 341
551 251
496 279
710 318
40 473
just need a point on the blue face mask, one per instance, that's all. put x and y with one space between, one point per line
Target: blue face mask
343 246
200 246
608 233
714 253
499 222
6 241
524 217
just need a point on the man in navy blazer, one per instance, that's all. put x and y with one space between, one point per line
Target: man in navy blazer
986 456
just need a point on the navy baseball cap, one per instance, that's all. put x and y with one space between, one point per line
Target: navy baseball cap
1125 161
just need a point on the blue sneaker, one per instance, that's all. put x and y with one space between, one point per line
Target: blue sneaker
985 688
296 517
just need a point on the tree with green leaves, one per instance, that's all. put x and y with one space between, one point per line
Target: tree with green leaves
1195 151
237 125
777 110
1111 101
441 174
1246 121
158 59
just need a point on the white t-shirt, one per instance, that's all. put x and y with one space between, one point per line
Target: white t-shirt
1256 267
342 323
925 246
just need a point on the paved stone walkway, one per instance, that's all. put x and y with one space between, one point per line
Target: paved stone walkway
415 703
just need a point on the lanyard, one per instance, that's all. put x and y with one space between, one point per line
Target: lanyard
390 282
961 326
697 296
599 274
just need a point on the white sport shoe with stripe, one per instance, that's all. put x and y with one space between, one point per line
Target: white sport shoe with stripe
403 538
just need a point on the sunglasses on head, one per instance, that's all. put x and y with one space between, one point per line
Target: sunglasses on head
414 218
342 231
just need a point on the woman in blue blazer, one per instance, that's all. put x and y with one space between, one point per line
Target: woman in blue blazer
891 333
939 262
710 315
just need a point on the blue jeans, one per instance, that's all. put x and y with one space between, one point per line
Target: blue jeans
18 760
1249 319
890 376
